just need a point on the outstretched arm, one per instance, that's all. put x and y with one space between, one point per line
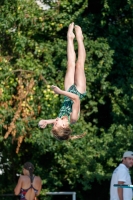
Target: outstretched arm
43 123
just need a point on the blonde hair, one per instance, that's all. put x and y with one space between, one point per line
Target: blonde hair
62 133
77 136
65 134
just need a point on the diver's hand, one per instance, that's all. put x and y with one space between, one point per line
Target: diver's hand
56 89
42 123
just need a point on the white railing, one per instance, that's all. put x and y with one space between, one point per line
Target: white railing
63 193
48 193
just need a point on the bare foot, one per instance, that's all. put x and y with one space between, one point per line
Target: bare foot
70 34
78 32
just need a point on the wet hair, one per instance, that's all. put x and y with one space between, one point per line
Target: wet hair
62 133
77 136
65 134
30 167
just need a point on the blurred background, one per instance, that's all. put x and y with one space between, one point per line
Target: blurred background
32 58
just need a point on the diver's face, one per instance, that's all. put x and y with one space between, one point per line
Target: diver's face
61 122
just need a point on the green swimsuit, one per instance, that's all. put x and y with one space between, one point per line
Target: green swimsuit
66 107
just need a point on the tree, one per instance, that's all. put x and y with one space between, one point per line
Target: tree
32 57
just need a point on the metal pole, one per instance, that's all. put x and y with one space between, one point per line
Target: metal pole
74 195
48 193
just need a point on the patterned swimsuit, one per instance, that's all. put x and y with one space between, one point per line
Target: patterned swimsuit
66 107
24 191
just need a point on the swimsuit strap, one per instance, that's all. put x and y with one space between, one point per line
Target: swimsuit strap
69 120
31 186
24 191
35 190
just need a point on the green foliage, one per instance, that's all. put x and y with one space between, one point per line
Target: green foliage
33 57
